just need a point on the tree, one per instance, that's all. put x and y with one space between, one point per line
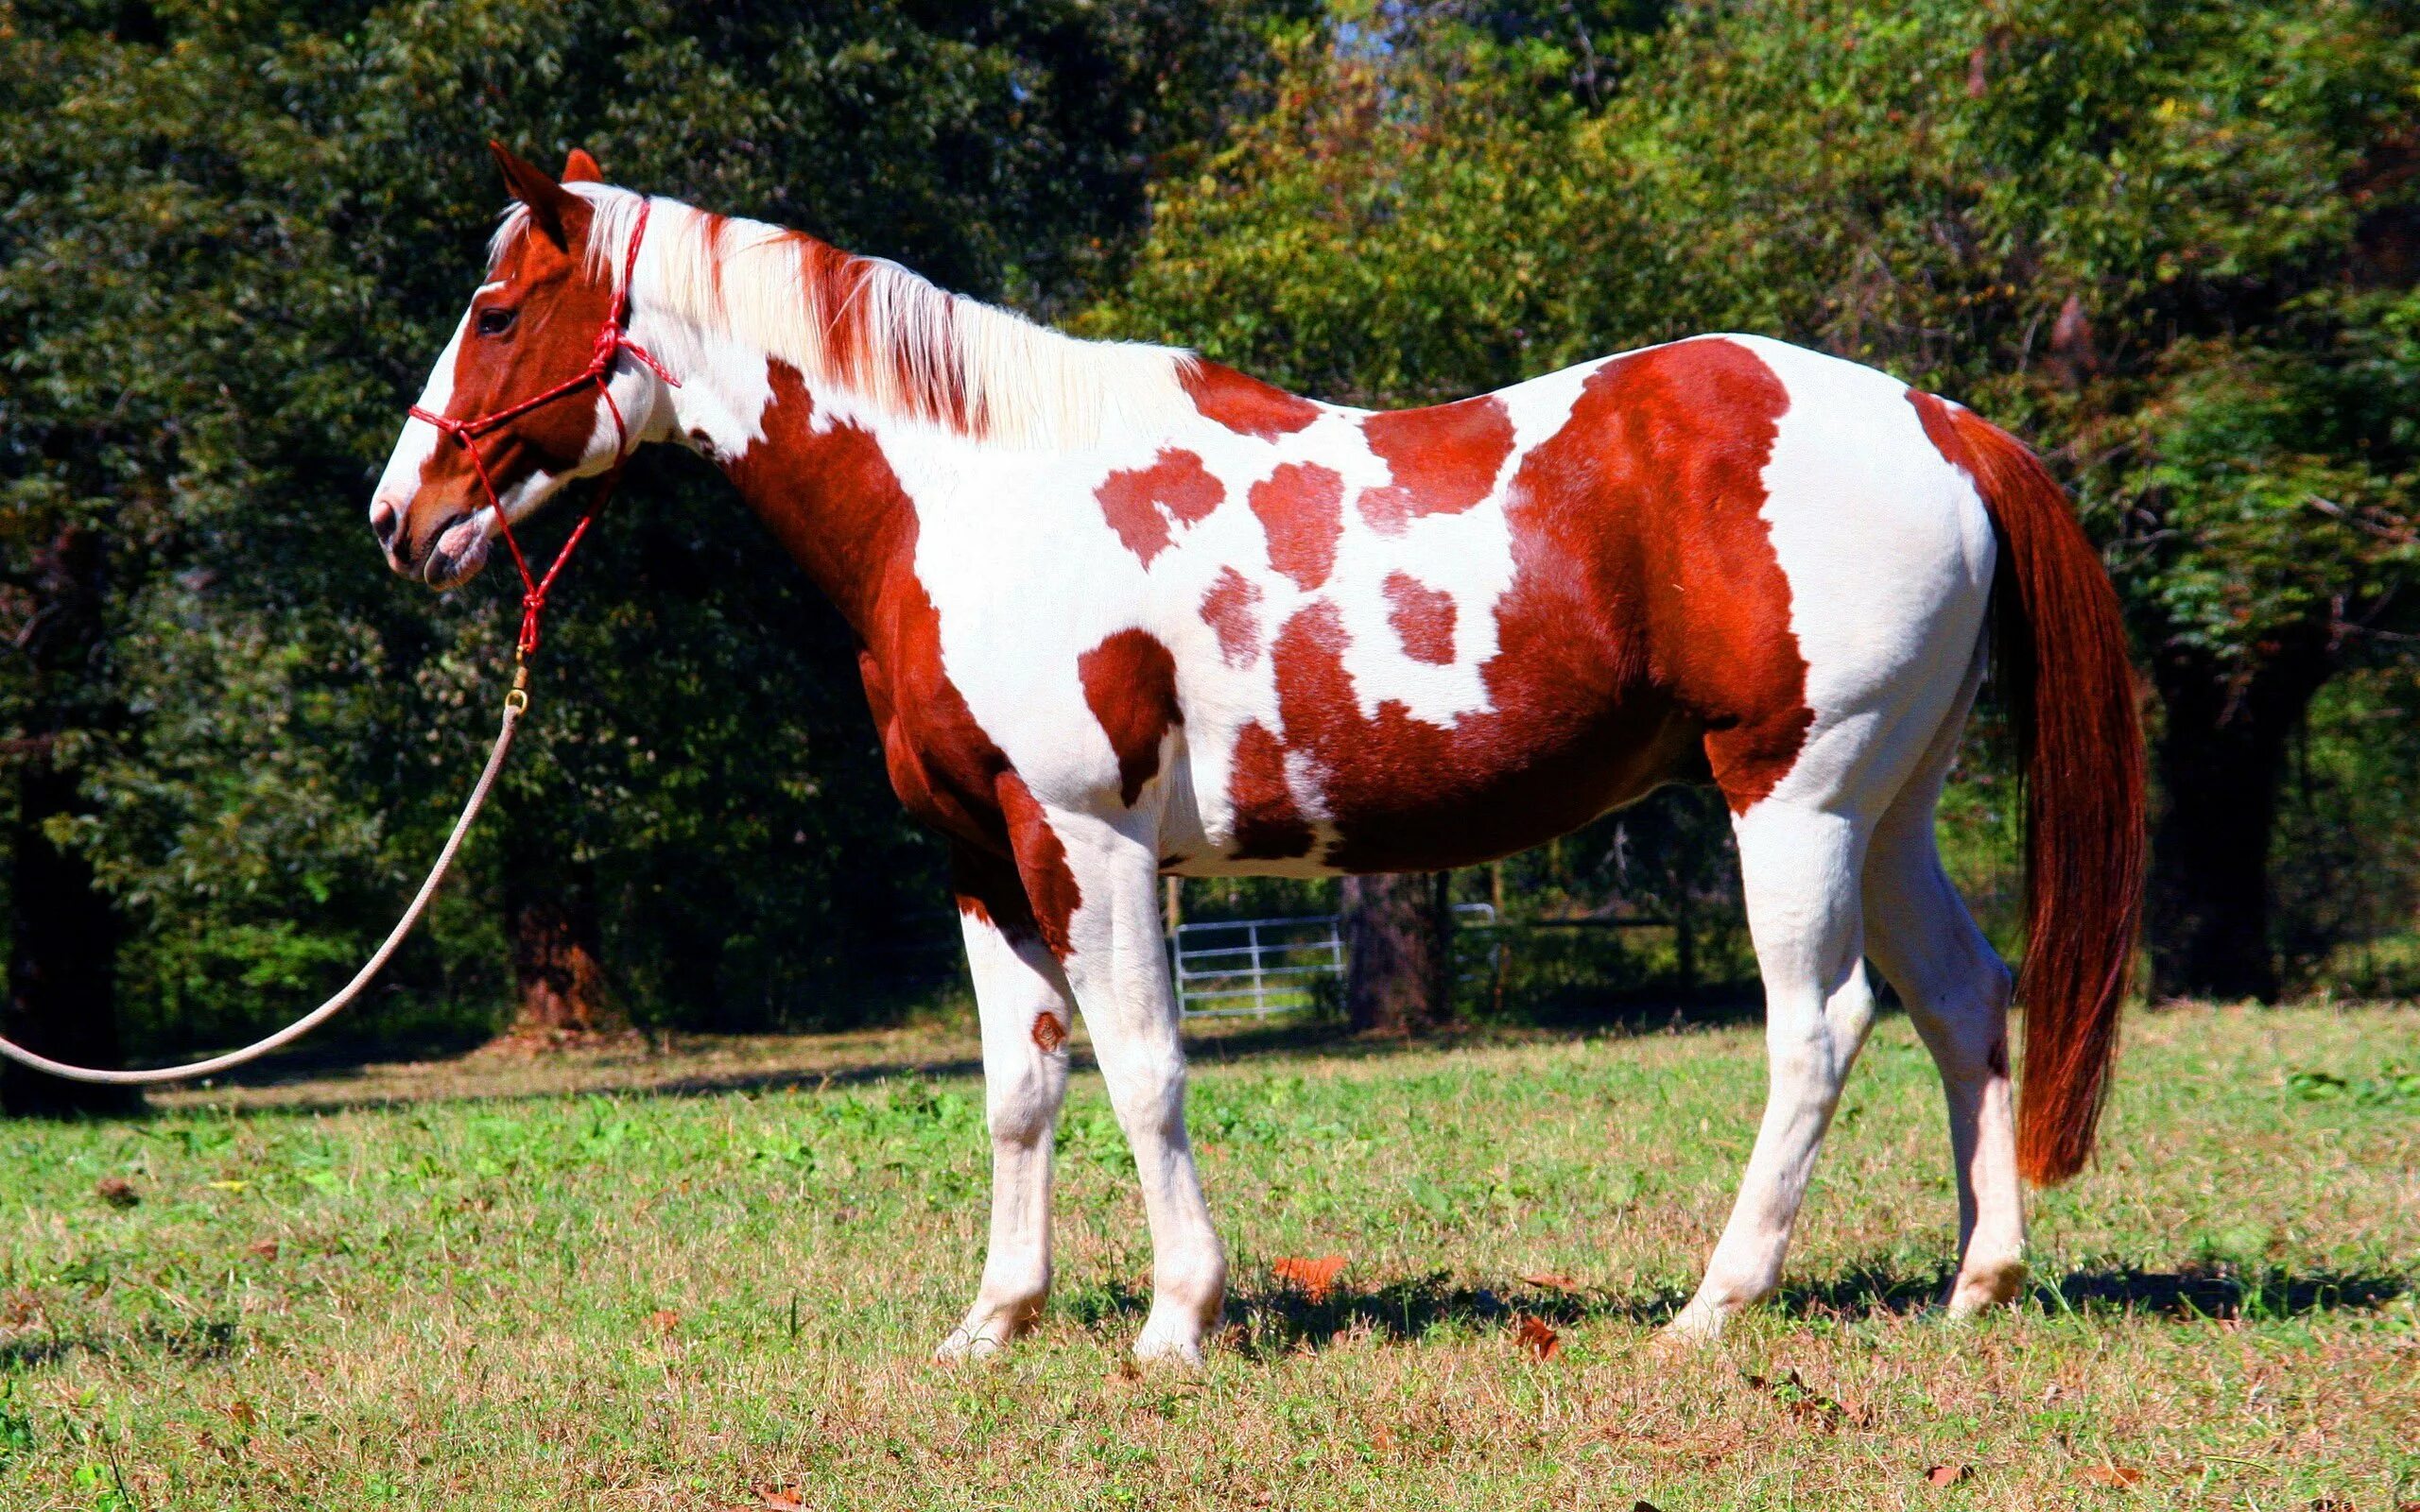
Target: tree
61 988
1398 953
232 239
2174 243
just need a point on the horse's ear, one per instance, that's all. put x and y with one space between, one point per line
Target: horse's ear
582 168
559 214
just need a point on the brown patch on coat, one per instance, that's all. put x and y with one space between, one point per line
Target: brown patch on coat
1245 405
1231 607
1130 685
1645 630
833 501
1048 1033
1423 618
1269 825
1145 505
1300 508
1042 862
1442 459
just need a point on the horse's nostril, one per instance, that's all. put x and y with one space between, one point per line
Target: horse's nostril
384 521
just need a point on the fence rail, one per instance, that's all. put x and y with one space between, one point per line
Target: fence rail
1255 966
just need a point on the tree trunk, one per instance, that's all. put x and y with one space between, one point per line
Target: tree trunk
62 962
63 934
2222 754
552 919
1398 954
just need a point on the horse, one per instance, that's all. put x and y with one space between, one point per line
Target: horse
1126 613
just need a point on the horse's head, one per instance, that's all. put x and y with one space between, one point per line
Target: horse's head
532 329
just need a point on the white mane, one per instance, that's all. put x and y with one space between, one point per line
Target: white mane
872 328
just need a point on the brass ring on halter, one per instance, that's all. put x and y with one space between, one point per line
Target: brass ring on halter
517 702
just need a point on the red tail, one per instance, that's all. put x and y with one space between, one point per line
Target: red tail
2060 655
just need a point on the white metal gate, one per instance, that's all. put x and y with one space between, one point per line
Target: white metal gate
1234 968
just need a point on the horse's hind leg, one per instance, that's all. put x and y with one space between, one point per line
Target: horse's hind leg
1800 866
1957 992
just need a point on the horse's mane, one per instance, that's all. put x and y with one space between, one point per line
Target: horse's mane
867 327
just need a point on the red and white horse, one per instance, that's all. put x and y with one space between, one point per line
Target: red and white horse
1127 613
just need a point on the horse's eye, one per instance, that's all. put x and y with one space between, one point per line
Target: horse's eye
495 322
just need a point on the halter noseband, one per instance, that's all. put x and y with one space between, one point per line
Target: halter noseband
613 340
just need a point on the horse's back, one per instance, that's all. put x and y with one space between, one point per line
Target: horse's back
1542 603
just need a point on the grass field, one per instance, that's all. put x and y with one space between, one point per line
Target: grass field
713 1282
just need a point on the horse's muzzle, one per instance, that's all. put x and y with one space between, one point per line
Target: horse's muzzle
458 550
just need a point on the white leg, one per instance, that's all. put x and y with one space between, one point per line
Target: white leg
1021 996
1957 991
1801 869
1119 970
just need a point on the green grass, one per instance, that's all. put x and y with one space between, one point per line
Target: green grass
475 1285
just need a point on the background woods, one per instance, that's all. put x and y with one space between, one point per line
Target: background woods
232 238
2173 243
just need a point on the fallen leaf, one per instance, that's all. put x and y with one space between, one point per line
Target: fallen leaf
1644 1506
262 1249
664 1319
1949 1474
2118 1475
116 1191
242 1414
785 1499
1553 1280
1537 1338
1314 1279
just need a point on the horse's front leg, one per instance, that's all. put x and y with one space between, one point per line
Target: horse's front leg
1021 995
1118 967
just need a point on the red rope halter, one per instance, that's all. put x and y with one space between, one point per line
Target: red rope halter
613 340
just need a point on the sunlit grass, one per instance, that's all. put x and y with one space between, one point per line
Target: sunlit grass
474 1286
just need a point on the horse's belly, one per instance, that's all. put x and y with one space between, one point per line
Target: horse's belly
1414 796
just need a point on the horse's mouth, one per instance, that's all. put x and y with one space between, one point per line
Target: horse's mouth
457 552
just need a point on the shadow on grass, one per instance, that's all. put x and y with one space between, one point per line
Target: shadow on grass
1711 1008
197 1341
1276 1320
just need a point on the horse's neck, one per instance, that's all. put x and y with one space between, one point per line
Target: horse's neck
823 479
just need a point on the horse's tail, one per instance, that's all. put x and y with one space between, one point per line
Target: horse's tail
2060 658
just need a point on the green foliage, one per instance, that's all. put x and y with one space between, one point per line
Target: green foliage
1436 207
2173 243
231 240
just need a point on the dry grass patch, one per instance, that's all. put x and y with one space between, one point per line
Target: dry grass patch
714 1283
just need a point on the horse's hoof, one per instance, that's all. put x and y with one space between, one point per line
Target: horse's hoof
1984 1287
1693 1326
965 1344
1168 1348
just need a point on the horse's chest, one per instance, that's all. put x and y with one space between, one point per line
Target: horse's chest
943 764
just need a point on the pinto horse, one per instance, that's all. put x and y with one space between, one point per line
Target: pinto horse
1126 613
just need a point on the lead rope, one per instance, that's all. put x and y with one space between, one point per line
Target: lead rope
516 703
612 341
